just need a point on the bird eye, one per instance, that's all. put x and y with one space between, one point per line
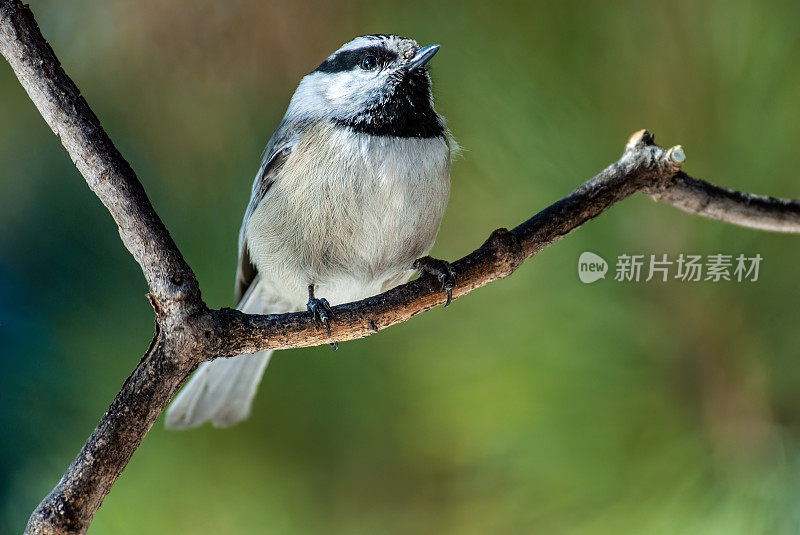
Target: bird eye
369 62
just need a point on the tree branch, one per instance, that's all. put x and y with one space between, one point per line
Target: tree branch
744 209
106 172
188 333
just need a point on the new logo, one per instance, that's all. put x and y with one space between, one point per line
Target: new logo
591 267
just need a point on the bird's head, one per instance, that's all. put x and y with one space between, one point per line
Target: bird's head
375 84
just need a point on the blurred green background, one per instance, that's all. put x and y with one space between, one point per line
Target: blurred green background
535 405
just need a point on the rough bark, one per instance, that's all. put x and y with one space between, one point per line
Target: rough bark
188 332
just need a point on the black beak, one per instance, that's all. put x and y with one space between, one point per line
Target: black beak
423 56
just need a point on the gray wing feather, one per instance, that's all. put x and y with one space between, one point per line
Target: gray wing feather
279 147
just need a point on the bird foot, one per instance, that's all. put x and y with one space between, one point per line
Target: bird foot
321 312
440 269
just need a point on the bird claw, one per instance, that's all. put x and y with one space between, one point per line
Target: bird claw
321 312
440 269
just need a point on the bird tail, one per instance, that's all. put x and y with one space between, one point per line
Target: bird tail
222 390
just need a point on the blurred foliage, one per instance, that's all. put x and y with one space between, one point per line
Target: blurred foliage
537 404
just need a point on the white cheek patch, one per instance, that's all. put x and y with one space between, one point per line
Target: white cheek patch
349 93
340 94
340 88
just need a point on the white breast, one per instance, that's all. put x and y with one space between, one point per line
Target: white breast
348 212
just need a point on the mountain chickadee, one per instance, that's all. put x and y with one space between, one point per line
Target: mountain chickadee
346 204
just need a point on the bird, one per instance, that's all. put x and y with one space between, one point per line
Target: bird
347 203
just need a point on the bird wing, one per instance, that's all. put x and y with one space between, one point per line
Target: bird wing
278 149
